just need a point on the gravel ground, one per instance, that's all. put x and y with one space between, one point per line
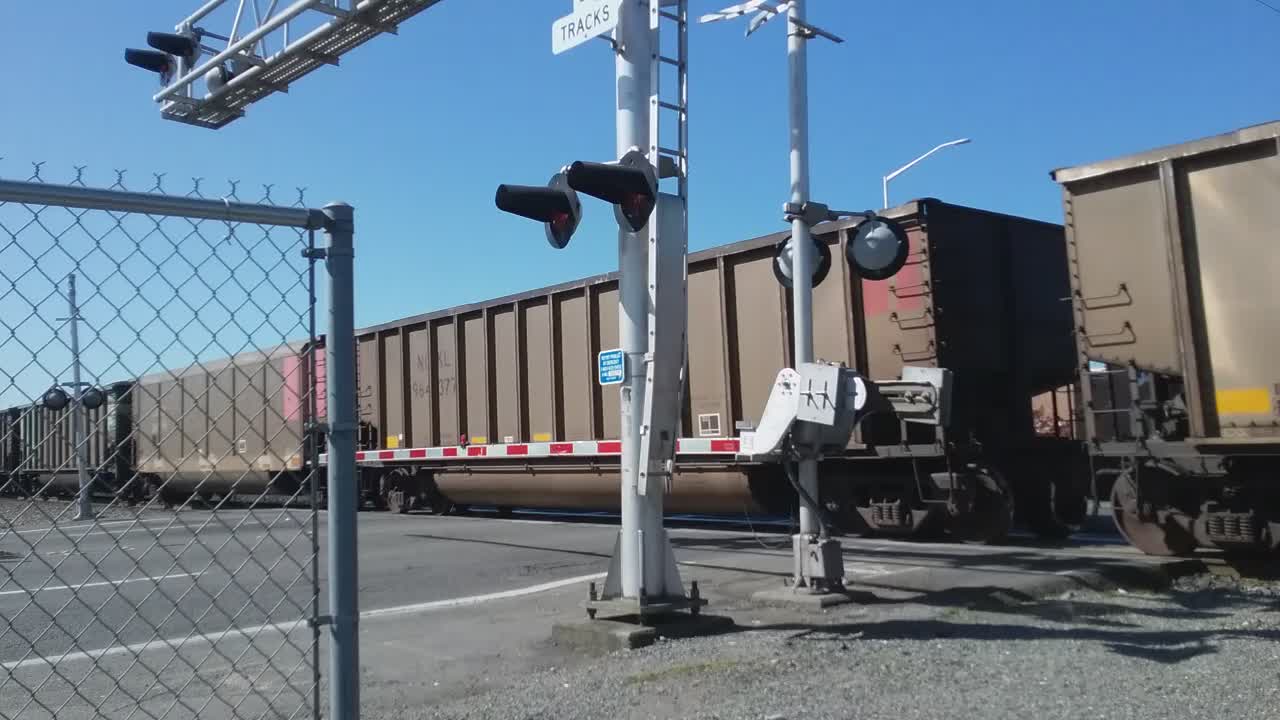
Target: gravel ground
16 513
1206 647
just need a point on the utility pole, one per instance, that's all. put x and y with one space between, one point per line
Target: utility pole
77 407
56 400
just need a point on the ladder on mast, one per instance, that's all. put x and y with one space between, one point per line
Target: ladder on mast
670 161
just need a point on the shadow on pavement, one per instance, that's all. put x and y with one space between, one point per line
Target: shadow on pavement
1087 621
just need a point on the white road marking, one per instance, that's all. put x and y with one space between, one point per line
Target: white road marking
290 626
166 644
194 529
476 599
873 570
234 515
86 526
104 583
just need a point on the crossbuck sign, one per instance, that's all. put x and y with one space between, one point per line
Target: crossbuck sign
589 19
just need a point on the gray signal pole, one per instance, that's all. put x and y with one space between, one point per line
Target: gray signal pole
643 578
802 245
635 46
811 539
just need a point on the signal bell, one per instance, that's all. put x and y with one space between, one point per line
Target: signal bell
878 248
556 205
629 184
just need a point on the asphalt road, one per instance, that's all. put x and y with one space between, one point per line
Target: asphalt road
205 615
165 614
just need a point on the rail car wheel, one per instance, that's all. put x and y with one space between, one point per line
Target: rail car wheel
1149 535
989 517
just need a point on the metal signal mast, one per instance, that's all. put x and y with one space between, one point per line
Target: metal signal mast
818 563
230 54
648 366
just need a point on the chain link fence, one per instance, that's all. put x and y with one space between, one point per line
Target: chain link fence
160 424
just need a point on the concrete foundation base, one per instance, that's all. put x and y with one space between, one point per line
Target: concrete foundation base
600 637
788 597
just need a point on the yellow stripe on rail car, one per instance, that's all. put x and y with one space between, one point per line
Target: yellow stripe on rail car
1244 401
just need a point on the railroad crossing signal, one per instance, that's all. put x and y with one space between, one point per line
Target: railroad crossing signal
782 262
630 185
57 399
556 205
172 56
877 249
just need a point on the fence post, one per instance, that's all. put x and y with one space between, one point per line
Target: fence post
344 651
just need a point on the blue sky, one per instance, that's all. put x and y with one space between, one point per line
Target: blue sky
417 130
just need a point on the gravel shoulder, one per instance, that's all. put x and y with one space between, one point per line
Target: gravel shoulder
22 513
1205 646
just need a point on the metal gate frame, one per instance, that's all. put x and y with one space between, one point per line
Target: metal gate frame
336 221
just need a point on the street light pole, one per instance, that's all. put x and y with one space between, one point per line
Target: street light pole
885 180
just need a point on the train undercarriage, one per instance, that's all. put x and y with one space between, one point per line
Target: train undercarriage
1173 505
877 497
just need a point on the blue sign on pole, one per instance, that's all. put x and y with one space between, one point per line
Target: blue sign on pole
610 366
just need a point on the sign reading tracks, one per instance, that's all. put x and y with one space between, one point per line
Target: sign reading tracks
590 19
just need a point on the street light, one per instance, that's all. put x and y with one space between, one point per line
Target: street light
912 164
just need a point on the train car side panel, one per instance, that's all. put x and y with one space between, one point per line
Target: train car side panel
1044 341
504 359
897 314
832 308
759 338
422 416
446 381
1121 256
393 400
474 379
1231 248
537 378
576 369
369 387
707 385
607 403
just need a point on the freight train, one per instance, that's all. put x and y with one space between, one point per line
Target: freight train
497 403
1152 305
218 428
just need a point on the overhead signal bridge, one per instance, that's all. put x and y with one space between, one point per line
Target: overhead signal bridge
245 54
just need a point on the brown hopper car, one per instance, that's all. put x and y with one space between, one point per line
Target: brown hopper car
233 426
1173 268
497 403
